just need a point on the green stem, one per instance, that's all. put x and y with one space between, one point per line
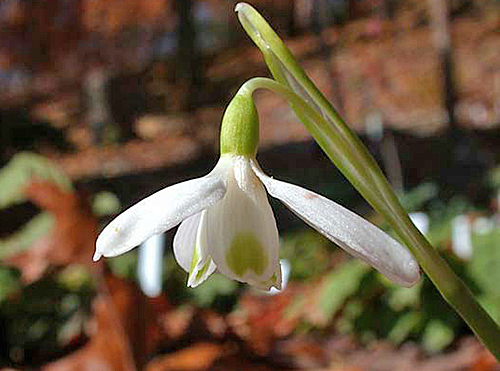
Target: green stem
361 170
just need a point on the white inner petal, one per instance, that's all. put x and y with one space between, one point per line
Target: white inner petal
184 241
242 235
348 230
201 265
190 249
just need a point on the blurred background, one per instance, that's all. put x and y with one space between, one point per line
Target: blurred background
103 102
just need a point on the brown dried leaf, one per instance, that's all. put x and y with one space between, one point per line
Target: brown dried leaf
72 238
197 357
108 348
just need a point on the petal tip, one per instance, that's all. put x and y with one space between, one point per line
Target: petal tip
276 286
239 7
192 283
412 273
408 276
96 256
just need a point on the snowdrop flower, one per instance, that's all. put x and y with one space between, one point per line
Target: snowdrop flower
226 222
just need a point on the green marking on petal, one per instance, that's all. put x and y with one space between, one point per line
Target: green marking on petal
194 261
202 271
270 282
192 269
246 253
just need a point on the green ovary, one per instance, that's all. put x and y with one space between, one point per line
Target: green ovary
246 253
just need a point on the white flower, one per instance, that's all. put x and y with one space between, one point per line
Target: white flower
227 225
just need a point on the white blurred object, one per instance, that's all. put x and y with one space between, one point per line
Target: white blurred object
150 265
461 241
421 221
374 126
285 274
483 225
498 200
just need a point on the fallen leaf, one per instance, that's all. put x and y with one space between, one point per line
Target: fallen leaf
197 357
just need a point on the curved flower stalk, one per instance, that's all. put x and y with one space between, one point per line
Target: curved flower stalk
347 152
226 222
341 145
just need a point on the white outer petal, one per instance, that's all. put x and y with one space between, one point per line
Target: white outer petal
184 241
161 211
351 232
244 209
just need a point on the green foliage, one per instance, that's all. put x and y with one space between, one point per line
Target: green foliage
400 298
418 196
23 168
306 250
485 269
493 179
339 285
218 292
105 203
125 265
19 172
9 282
437 335
404 326
441 217
75 278
51 311
24 238
484 266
